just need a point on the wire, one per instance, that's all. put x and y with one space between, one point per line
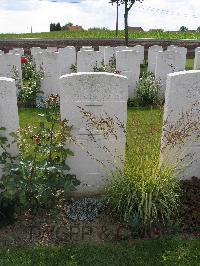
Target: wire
167 12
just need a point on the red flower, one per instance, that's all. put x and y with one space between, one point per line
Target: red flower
38 140
157 231
24 60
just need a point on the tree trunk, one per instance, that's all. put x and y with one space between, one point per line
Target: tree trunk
117 21
126 22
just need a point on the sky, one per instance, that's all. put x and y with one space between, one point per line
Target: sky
17 16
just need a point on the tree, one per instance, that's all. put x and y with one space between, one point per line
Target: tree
198 29
68 24
183 29
128 4
58 27
117 20
52 27
55 27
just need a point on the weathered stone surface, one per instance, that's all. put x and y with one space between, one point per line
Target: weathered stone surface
88 60
183 52
109 52
152 54
86 48
52 49
166 62
19 51
67 59
197 60
128 63
90 102
8 112
10 67
180 139
50 64
101 48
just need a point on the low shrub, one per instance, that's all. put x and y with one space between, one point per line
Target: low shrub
148 89
38 176
31 78
110 68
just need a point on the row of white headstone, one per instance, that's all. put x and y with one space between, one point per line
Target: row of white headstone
56 62
103 97
128 61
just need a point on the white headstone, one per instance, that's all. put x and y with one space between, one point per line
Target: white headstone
120 48
180 139
8 112
87 48
101 48
140 50
183 52
50 64
34 51
166 62
88 60
10 67
137 48
109 52
197 60
68 58
38 60
152 54
19 51
102 96
128 63
197 49
52 49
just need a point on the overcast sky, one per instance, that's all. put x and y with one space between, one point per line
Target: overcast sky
18 16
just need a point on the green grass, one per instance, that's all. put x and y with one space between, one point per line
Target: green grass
153 252
102 34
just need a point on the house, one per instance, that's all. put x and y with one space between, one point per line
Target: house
137 29
73 28
156 30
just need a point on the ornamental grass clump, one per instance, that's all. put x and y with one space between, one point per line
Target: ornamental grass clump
148 90
145 195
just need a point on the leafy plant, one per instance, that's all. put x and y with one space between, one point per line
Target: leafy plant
31 84
74 68
148 90
110 68
38 176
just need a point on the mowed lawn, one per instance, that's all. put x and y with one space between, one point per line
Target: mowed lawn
166 252
143 137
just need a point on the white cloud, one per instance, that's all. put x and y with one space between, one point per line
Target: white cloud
19 15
